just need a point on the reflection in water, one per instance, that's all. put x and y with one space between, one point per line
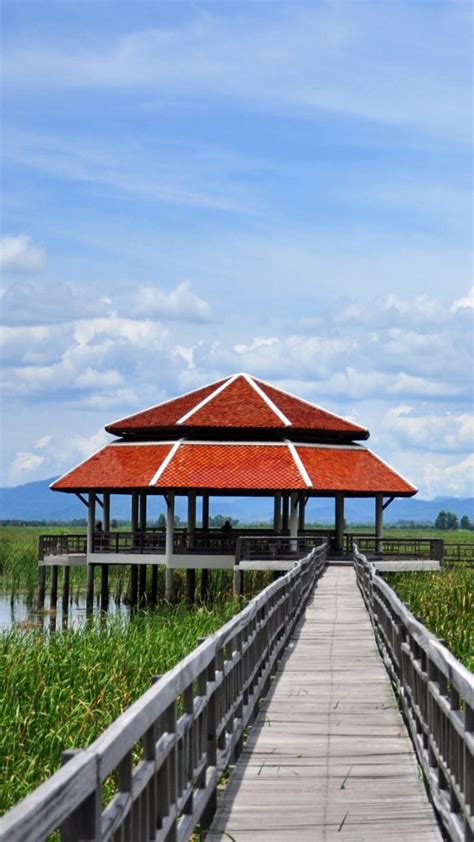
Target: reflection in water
17 612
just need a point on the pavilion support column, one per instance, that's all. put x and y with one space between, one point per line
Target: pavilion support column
191 573
277 513
104 572
134 567
90 551
339 522
169 574
106 511
294 521
205 528
379 523
285 513
301 513
142 567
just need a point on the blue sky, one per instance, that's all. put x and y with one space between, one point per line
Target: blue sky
194 189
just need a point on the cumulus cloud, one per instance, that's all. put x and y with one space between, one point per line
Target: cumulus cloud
452 479
19 254
181 303
465 303
430 431
44 441
25 463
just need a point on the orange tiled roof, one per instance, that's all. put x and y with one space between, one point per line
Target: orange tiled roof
351 470
239 402
127 466
233 467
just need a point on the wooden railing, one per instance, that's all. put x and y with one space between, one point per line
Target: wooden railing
272 547
189 725
413 548
437 696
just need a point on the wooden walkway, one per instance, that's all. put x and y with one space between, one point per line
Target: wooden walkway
329 757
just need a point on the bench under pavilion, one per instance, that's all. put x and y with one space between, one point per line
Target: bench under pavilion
239 436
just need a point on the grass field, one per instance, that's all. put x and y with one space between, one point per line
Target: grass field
444 602
60 692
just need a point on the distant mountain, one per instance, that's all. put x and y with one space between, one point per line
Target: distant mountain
35 501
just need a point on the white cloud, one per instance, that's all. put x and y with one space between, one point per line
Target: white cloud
44 441
19 254
25 463
451 479
181 303
465 303
430 431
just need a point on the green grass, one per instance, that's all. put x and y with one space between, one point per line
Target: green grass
61 692
444 602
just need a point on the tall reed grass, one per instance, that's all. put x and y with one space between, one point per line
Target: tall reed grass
61 691
444 602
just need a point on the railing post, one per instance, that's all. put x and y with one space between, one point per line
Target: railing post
85 821
437 549
211 746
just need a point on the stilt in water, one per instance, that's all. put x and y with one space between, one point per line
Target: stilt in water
204 584
41 586
54 587
65 597
90 589
142 586
169 584
133 585
104 587
190 586
154 584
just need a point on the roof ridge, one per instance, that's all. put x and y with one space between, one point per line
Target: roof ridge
281 415
207 399
166 462
309 403
163 403
299 463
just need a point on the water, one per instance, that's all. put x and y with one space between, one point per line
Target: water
18 613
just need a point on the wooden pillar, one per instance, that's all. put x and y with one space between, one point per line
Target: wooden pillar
191 573
277 513
205 512
65 596
285 513
104 587
106 511
169 575
205 528
41 585
379 523
294 521
90 551
54 587
301 512
154 584
142 567
339 522
134 567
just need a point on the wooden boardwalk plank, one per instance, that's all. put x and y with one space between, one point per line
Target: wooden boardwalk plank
329 757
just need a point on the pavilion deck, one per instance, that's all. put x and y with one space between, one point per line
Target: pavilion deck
329 757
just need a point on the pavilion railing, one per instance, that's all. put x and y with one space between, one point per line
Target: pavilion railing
189 726
437 696
275 547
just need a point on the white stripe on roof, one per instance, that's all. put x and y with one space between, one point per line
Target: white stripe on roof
206 400
163 403
267 400
165 462
397 473
299 463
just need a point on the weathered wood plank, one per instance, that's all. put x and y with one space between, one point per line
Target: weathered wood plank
329 756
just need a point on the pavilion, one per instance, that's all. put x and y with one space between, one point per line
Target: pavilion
237 436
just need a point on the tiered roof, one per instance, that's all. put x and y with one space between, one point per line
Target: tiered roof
238 435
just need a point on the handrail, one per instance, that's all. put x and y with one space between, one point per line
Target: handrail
437 696
190 724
